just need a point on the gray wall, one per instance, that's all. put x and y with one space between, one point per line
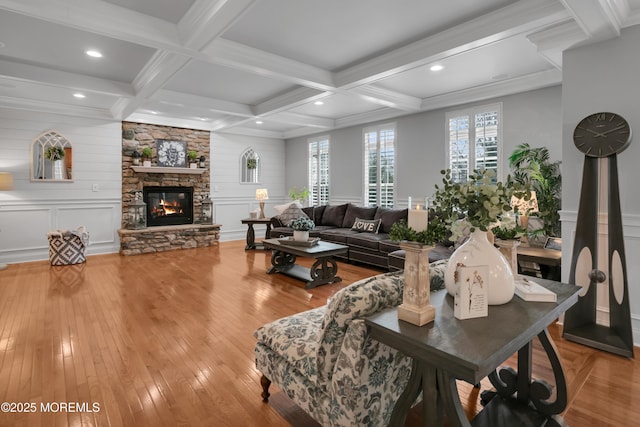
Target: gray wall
533 117
604 77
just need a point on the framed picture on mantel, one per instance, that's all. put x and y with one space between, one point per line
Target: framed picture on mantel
172 153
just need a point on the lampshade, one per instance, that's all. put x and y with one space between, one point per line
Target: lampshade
261 194
6 181
525 207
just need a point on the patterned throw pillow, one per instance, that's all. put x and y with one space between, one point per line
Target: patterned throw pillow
366 225
291 213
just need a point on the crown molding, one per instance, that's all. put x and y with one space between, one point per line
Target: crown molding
552 41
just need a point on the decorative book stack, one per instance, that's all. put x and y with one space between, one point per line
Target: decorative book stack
529 290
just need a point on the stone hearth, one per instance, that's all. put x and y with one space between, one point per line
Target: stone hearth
167 238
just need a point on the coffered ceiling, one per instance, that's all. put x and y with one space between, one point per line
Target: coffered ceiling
260 67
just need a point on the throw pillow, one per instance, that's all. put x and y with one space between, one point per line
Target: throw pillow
390 217
354 212
281 208
291 213
366 225
334 215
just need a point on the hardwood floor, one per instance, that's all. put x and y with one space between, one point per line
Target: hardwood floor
166 339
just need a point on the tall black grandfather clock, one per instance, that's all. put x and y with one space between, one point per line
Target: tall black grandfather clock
600 135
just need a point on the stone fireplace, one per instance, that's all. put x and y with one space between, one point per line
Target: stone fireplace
173 195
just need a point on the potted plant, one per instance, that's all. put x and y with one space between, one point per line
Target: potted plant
480 202
532 165
147 152
301 227
193 159
300 195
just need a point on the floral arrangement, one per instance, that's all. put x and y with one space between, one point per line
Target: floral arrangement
302 224
54 153
435 232
507 228
480 201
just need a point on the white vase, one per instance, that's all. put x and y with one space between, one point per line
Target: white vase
301 236
478 251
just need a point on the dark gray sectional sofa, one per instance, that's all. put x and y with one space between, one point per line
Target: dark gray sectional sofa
334 223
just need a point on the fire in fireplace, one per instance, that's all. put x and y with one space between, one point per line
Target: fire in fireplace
168 205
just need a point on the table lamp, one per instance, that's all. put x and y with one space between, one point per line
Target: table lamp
262 195
524 208
6 184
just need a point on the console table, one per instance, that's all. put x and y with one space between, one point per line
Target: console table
549 260
449 349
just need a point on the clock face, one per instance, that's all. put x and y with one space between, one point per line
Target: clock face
602 135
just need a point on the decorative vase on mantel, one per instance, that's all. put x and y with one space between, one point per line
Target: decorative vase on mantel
301 236
479 251
416 305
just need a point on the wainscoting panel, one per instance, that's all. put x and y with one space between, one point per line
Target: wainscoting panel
24 226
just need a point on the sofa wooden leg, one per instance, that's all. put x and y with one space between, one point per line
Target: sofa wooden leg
265 382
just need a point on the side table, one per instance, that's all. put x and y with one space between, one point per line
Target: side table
251 234
449 349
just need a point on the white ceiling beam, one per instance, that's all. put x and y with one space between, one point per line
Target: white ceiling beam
206 20
62 79
242 57
388 98
503 23
552 41
168 121
301 120
228 122
288 100
102 18
54 107
492 90
178 99
599 19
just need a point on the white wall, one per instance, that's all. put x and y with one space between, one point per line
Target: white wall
232 200
34 208
604 77
533 117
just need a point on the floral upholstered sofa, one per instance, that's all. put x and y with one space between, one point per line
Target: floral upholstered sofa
326 362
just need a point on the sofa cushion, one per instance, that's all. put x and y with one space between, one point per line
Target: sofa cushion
366 225
291 213
337 235
361 299
354 212
334 215
295 338
389 217
366 240
387 246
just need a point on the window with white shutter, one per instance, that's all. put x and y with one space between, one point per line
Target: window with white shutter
319 171
380 165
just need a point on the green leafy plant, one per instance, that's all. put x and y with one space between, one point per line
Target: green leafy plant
532 166
508 229
300 195
192 155
436 232
480 200
302 224
252 163
54 153
147 152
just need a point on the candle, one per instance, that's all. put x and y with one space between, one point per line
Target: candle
418 218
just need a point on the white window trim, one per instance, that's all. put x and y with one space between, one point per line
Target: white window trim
377 128
317 139
471 111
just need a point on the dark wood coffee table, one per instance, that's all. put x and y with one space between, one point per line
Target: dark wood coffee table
323 271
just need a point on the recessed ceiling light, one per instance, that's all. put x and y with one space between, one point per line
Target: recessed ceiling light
436 67
153 112
94 53
319 103
204 119
259 122
79 95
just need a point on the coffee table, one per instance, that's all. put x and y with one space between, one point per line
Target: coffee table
323 271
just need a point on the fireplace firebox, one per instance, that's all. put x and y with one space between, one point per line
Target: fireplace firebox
168 205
